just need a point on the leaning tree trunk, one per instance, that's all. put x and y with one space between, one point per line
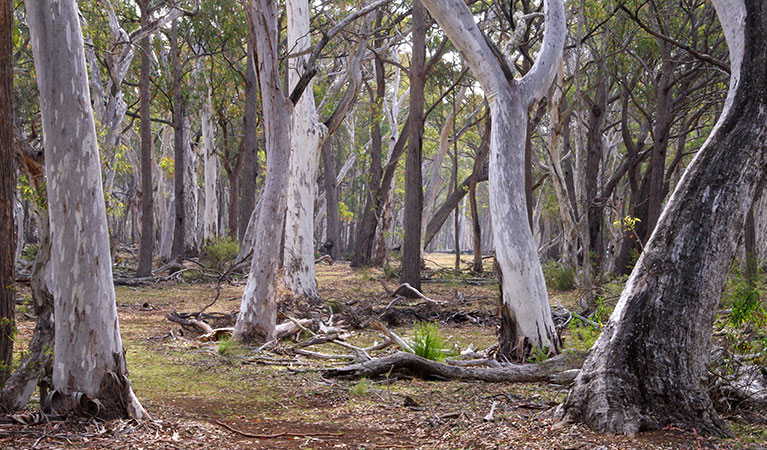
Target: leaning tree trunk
89 373
7 187
35 367
258 310
646 371
526 320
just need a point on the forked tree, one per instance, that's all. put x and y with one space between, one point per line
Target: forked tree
646 371
526 314
89 370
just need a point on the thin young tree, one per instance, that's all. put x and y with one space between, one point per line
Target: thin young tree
7 187
89 371
646 371
526 314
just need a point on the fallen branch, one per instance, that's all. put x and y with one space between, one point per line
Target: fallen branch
405 287
192 323
277 435
548 371
397 340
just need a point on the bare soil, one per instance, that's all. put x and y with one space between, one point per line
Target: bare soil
199 392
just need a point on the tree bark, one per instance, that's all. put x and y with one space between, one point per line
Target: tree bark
179 225
306 137
7 189
642 373
89 373
411 245
333 234
146 245
250 140
527 320
258 310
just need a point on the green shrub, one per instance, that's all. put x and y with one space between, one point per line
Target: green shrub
558 276
219 251
746 306
228 347
362 387
427 341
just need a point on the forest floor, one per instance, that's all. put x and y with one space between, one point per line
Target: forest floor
199 392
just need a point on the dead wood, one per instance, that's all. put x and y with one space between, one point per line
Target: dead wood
277 435
406 290
554 370
390 334
194 324
325 259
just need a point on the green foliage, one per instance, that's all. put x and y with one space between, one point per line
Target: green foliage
219 251
427 341
361 388
538 355
582 336
228 347
746 307
30 252
558 276
344 213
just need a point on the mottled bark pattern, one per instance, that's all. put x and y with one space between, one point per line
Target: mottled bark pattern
647 369
89 364
523 288
258 310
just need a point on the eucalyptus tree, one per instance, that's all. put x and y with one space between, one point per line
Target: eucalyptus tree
7 187
642 373
89 369
526 315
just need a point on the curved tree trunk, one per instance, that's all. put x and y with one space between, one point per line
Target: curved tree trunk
89 373
527 320
643 373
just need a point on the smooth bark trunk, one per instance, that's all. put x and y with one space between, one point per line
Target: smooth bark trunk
89 370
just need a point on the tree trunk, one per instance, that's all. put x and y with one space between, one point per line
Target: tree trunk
146 245
89 373
477 267
411 245
306 136
250 140
258 310
7 188
527 320
333 235
179 225
191 195
210 164
646 371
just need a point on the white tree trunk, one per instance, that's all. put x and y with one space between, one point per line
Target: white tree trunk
527 317
192 194
306 137
210 211
88 354
258 310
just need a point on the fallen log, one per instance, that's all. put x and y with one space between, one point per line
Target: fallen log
555 370
191 323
